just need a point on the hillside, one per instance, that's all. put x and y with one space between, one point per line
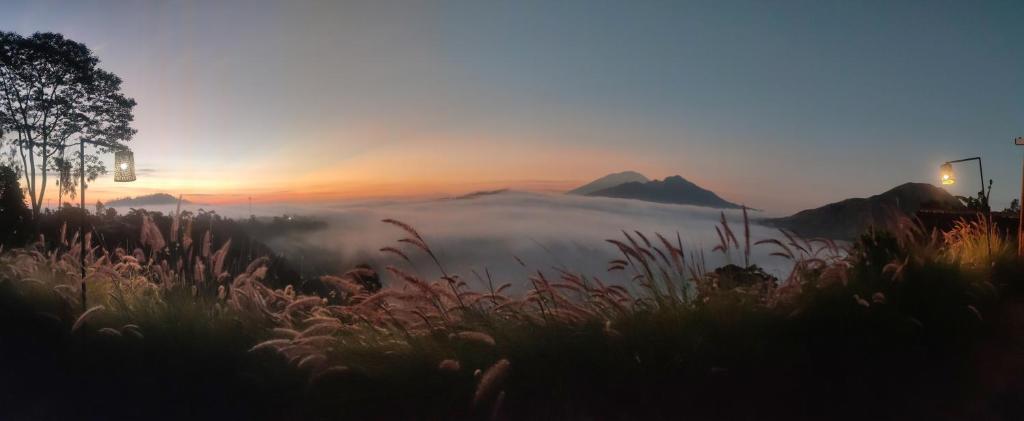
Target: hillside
146 200
674 189
481 193
845 219
608 181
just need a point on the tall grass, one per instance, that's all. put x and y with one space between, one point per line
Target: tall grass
447 349
977 242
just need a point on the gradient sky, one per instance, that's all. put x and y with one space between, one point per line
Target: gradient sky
781 105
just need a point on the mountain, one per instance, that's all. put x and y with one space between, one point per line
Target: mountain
674 189
146 200
608 181
481 193
845 220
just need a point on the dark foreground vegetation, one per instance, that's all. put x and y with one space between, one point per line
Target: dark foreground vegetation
904 324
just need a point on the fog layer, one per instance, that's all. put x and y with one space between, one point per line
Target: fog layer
489 232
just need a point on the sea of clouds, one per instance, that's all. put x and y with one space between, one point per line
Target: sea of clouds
489 232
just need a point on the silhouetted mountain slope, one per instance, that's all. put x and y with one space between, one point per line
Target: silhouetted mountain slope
846 219
149 199
674 189
481 193
608 181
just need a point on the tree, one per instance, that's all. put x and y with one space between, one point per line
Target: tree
1014 206
52 96
13 212
980 203
65 182
976 204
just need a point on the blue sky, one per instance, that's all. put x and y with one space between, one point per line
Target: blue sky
781 105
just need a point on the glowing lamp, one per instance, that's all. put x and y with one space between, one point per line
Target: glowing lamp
947 174
124 166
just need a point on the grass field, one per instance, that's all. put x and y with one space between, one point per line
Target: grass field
903 324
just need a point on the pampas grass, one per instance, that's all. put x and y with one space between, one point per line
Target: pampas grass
491 382
85 316
449 365
270 344
660 315
976 242
474 337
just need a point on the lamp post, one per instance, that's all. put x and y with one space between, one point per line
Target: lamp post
949 178
124 171
1020 218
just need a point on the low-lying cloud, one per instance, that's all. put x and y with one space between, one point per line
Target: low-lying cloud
490 232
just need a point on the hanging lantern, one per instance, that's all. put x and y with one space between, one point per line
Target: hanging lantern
947 173
124 166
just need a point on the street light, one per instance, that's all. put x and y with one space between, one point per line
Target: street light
947 174
1020 221
124 171
949 178
124 166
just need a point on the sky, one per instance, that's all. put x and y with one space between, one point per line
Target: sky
780 105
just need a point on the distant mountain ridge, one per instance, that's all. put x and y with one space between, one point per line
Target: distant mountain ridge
481 193
674 190
608 181
147 200
846 219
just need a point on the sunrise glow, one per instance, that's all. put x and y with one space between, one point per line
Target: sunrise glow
334 210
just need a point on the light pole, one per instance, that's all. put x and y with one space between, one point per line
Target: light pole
124 171
1020 204
949 178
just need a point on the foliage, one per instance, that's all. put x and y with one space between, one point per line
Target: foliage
1014 206
972 203
13 212
891 327
979 203
53 97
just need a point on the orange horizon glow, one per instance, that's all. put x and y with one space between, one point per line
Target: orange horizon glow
325 194
367 164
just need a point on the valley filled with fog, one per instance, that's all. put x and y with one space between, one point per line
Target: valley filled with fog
487 233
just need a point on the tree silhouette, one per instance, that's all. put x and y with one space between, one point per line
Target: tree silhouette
979 203
1014 206
52 96
13 212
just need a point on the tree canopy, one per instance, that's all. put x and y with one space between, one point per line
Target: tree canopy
53 96
13 212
